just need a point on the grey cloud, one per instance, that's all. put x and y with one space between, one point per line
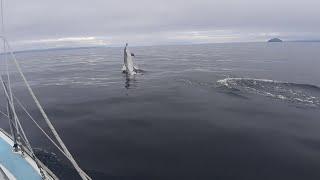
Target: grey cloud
127 19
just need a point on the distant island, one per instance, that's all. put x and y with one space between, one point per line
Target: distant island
275 40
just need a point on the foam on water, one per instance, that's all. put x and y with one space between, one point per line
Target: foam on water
292 92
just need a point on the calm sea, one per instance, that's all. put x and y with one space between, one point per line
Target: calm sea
219 111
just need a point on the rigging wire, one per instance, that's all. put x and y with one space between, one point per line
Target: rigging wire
6 60
14 132
4 114
46 118
37 124
17 133
10 100
19 126
18 122
9 95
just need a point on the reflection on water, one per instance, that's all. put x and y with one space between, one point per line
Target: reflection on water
130 80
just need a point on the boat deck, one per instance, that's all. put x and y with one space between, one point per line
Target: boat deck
13 164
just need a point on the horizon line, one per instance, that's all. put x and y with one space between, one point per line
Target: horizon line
152 45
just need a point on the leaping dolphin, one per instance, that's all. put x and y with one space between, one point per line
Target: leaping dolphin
129 67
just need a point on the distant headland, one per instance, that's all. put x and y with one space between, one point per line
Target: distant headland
275 40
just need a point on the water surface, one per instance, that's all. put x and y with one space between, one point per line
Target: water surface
219 111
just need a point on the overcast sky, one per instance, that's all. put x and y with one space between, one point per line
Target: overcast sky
57 23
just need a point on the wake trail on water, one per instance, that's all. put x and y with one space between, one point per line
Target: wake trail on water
306 94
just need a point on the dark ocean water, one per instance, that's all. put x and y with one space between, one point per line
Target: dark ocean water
220 111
